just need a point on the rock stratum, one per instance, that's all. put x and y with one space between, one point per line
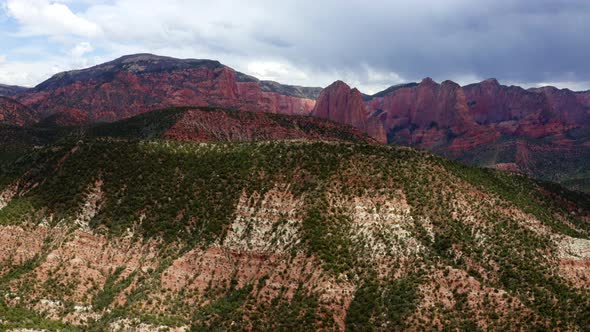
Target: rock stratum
197 219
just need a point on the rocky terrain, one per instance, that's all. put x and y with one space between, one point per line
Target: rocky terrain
206 125
208 219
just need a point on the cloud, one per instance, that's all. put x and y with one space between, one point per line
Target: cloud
26 73
370 44
80 49
275 71
43 17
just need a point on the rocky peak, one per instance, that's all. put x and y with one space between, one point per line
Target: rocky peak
451 84
390 90
490 81
427 81
141 57
339 103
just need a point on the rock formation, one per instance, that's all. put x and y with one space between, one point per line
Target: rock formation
339 103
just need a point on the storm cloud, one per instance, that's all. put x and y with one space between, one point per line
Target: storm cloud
370 44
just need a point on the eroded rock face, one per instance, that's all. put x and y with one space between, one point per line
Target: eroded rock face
431 114
138 83
339 103
266 224
574 260
427 115
490 124
272 102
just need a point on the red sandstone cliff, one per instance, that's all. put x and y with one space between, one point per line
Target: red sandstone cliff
490 124
476 114
339 103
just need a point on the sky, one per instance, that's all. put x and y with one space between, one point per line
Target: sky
370 44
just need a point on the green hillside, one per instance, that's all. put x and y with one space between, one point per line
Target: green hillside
281 235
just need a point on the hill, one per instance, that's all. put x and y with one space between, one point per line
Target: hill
202 124
11 90
119 225
14 113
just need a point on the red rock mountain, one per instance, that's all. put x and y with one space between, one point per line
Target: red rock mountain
420 114
14 113
544 132
339 103
138 83
426 115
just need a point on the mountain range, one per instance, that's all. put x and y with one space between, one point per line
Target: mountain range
156 194
486 124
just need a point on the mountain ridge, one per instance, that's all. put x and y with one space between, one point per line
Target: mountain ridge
513 128
11 90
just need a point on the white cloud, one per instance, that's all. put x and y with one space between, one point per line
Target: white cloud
25 73
80 49
44 17
16 71
275 71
